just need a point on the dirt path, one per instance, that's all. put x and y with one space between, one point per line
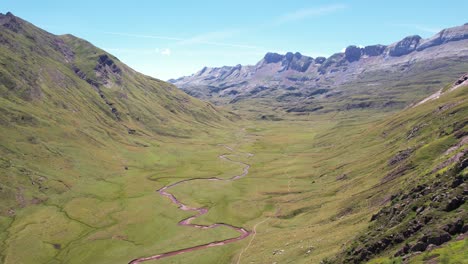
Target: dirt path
254 232
243 233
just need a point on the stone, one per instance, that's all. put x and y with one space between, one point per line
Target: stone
436 238
455 227
454 203
419 247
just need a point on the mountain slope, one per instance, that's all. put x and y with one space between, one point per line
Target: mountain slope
62 90
376 76
427 177
86 141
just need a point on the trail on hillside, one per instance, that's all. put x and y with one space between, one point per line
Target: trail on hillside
243 233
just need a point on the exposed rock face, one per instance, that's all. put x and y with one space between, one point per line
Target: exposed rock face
333 59
10 22
320 60
444 36
461 80
353 53
104 60
405 46
280 72
273 57
295 62
374 50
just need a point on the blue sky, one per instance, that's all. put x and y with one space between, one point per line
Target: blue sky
168 39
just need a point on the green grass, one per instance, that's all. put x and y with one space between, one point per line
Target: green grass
76 187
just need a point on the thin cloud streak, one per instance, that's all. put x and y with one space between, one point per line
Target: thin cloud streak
309 12
419 28
185 41
155 51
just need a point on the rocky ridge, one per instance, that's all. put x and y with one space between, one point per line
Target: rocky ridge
296 76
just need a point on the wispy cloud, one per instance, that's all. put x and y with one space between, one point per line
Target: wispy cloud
155 51
418 27
310 12
209 37
199 39
143 36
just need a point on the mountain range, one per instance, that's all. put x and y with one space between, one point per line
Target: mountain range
360 77
361 157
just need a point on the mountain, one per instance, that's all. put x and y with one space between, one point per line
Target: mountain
101 164
57 89
425 210
361 77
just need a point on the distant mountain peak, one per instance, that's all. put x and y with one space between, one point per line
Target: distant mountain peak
309 77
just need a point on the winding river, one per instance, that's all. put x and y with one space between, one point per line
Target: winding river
243 233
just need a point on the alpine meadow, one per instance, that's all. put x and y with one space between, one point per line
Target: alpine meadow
359 156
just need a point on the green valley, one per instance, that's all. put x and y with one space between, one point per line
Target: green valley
87 143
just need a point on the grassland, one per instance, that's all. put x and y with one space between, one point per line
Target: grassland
313 184
78 181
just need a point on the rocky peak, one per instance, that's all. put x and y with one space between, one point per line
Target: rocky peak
404 46
289 56
10 22
202 71
295 61
272 57
353 53
444 36
320 60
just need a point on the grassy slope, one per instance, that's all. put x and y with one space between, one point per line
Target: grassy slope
297 181
63 152
66 197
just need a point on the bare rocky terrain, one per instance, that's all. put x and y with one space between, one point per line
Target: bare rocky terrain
377 69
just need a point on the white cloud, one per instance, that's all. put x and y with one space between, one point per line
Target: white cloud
310 12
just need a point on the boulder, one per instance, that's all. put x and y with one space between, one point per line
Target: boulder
436 238
455 227
454 203
419 247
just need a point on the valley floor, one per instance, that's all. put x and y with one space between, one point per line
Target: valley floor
310 189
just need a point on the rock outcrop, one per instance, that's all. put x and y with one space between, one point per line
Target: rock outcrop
405 46
353 53
273 57
374 50
304 74
444 36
